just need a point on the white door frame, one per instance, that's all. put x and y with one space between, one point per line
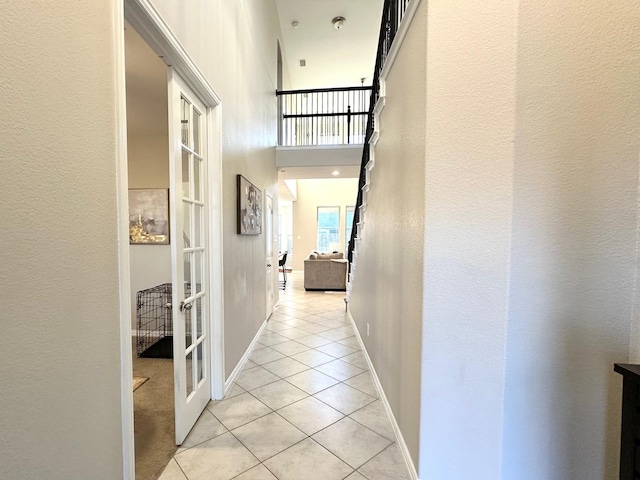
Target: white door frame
143 16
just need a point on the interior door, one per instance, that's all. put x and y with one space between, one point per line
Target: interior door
189 240
272 263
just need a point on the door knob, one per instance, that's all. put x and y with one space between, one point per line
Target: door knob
268 264
185 306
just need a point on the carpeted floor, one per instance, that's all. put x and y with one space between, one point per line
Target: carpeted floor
138 382
153 416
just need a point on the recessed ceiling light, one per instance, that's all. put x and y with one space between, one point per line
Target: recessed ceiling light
335 173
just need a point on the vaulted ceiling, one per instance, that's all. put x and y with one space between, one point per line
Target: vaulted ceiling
334 58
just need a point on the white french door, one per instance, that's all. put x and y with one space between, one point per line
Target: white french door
189 254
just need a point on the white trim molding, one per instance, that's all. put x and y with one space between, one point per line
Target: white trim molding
377 110
124 273
146 20
216 260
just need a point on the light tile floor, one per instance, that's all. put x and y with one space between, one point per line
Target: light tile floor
304 406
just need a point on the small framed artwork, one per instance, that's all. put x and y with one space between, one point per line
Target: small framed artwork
249 208
149 216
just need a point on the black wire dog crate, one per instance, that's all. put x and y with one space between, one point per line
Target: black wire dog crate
154 322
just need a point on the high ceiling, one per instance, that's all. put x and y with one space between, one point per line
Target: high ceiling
334 58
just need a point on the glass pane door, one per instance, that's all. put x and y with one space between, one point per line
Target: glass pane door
190 273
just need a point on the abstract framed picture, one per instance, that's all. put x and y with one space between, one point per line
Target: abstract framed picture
149 216
249 208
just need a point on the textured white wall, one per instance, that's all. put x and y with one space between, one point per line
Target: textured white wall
574 227
530 225
60 355
148 161
314 193
470 113
234 45
387 290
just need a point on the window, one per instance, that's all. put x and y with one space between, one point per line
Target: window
328 229
348 223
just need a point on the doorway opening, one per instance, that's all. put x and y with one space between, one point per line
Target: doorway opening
175 249
149 262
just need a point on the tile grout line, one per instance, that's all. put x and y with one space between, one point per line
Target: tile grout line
307 394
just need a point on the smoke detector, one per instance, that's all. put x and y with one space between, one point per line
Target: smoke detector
338 22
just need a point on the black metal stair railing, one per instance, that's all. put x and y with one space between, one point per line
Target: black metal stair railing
392 14
323 116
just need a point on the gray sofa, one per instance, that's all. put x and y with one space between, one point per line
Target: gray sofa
325 271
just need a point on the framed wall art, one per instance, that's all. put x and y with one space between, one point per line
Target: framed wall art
149 216
249 208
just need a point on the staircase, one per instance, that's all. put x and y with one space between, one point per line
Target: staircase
392 15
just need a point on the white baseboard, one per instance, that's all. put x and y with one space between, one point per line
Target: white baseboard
402 445
236 371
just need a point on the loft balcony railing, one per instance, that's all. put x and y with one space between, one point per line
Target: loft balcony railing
325 116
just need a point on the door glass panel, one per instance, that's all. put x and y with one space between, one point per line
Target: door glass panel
198 266
196 131
187 274
186 177
184 120
198 303
197 226
188 240
187 293
200 363
188 328
189 372
197 172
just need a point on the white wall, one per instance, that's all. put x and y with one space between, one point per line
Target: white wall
150 265
148 158
60 359
314 193
234 45
323 155
532 127
60 302
470 111
574 237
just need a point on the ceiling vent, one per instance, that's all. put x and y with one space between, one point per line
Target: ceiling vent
303 63
338 22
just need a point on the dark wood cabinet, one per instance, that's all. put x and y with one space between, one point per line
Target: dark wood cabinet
630 435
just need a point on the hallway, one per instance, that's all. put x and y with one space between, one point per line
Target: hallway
304 406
